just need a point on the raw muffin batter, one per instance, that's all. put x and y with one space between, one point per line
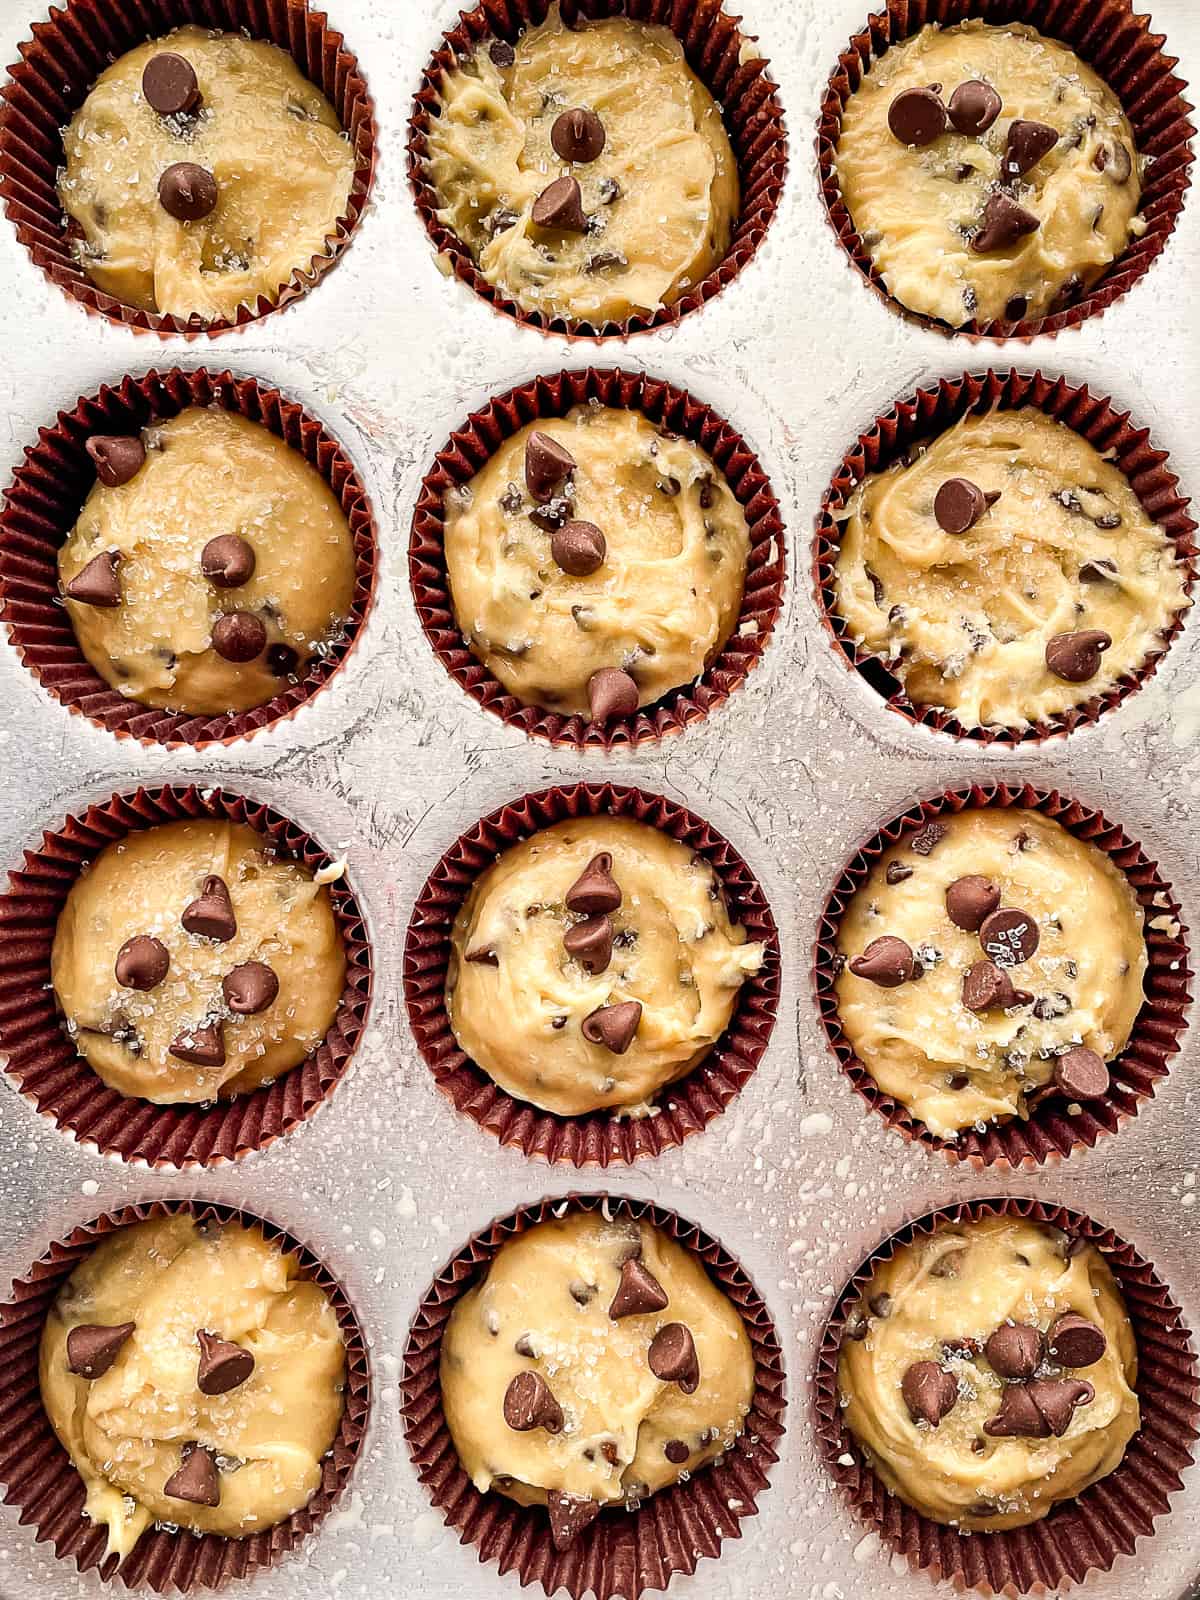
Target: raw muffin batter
594 1364
220 1434
988 1372
592 964
616 554
621 207
214 199
989 172
1008 574
990 957
209 562
191 963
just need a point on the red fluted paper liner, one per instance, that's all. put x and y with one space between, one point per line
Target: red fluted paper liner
623 1553
37 1473
1051 1130
469 448
912 423
1120 47
42 505
598 1137
743 89
42 1060
1078 1536
58 67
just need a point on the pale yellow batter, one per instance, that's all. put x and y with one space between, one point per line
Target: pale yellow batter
208 474
964 1283
918 207
518 1009
954 1067
273 144
142 886
664 598
127 1430
622 1433
966 620
657 204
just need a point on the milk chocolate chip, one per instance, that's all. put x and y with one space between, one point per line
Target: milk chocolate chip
1015 1350
1075 657
569 1515
986 988
578 547
974 106
1081 1074
528 1404
250 988
887 961
929 1393
142 962
560 205
223 1366
959 504
187 192
211 913
97 584
203 1046
613 1026
169 85
239 636
1002 223
595 889
1027 143
673 1359
547 464
970 900
591 943
117 457
1073 1341
638 1292
93 1347
917 116
227 561
578 135
1009 936
611 693
196 1481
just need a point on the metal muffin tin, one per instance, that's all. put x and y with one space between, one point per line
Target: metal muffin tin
392 762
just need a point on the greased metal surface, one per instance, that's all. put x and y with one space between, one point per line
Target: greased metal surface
392 761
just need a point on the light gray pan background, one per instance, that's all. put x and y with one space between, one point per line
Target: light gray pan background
394 761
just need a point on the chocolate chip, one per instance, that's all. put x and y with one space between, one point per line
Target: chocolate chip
1037 1409
1081 1074
881 1306
250 988
142 962
676 1452
1001 224
282 660
611 694
578 547
595 889
958 505
930 836
897 872
525 1347
970 900
578 135
672 1357
1073 1341
1049 1006
484 956
613 1026
1025 146
974 106
97 583
962 1347
228 561
606 261
1015 1350
638 1292
929 1393
196 1480
239 636
94 1346
547 464
204 1046
502 53
1015 307
917 116
223 1366
529 1404
591 943
187 192
1114 160
1099 570
569 1515
887 962
986 988
1075 657
1009 936
210 914
117 457
169 84
582 1293
560 205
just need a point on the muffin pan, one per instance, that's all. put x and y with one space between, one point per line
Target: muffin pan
392 763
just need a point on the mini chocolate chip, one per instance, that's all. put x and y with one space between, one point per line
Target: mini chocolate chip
930 836
638 1292
528 1404
239 636
974 106
1075 657
612 693
857 1326
1099 570
223 1366
595 889
958 505
169 85
578 547
547 464
525 1347
502 53
196 1481
142 962
897 872
282 660
672 1357
98 583
483 956
1015 1350
228 561
590 942
1015 307
1049 1006
676 1452
881 1306
117 457
250 988
606 261
187 192
1009 936
211 913
560 205
962 1347
1074 1341
203 1046
970 900
569 1515
578 135
92 1347
1081 1074
917 116
887 961
582 1293
929 1393
1001 224
613 1026
1025 146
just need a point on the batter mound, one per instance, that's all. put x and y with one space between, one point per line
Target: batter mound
1009 574
194 1378
594 1365
988 1372
587 170
989 172
202 170
592 964
595 563
192 963
209 563
991 959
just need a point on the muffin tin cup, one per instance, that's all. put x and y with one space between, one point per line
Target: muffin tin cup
1055 1127
42 1060
669 408
597 1137
742 88
40 1479
59 65
623 1553
1078 1536
915 422
1123 51
42 505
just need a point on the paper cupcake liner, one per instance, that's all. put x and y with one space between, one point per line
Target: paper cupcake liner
1078 1536
598 1137
467 450
42 1060
58 67
623 1553
714 47
38 1475
1120 47
930 412
1051 1129
42 505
